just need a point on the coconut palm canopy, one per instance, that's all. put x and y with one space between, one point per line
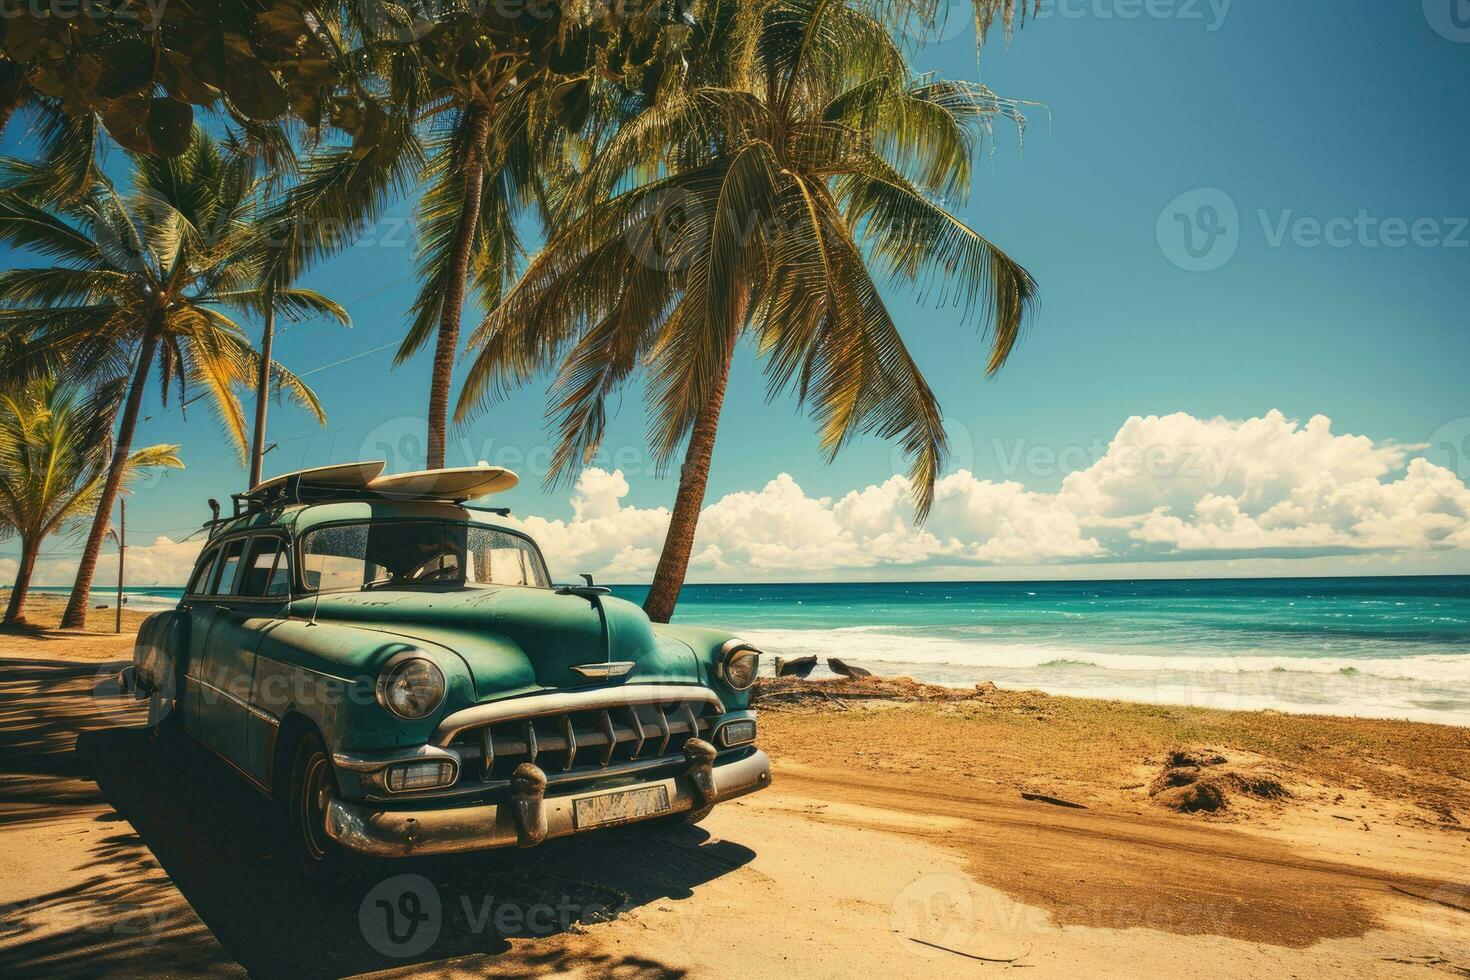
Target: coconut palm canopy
476 101
160 268
772 200
143 280
55 443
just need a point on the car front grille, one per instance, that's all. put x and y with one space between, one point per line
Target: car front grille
581 742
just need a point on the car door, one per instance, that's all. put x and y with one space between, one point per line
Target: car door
212 690
182 687
243 615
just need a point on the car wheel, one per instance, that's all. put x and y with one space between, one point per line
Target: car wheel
313 786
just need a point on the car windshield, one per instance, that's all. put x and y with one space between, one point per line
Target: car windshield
407 554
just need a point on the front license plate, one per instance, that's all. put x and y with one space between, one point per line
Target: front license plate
633 804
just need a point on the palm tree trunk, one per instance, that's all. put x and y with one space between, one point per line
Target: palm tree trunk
81 593
28 550
477 132
673 562
262 395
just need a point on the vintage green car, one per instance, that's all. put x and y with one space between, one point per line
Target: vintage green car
398 671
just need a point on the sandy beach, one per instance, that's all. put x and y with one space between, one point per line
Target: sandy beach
40 638
910 829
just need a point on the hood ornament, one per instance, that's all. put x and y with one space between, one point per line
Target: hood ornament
593 593
617 668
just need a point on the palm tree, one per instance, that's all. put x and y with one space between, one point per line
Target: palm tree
142 280
473 102
762 203
53 465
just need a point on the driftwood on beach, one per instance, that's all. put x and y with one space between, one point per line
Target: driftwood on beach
774 693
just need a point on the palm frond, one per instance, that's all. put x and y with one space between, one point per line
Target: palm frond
294 303
915 240
34 229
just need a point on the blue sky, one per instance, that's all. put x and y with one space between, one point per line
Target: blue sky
1286 113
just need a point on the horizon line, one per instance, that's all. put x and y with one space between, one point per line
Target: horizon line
1042 581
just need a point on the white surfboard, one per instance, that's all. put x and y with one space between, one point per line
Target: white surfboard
457 483
343 476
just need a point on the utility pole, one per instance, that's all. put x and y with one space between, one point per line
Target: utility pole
122 550
262 392
120 535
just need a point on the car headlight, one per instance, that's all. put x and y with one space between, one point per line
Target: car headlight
739 664
411 686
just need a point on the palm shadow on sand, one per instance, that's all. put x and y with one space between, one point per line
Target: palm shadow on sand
214 838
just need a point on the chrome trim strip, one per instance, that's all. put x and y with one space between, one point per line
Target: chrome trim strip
487 753
400 833
666 732
637 731
558 781
570 735
375 761
611 746
531 747
563 702
373 768
258 713
617 668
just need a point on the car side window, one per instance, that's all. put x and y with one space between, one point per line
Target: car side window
265 552
200 582
280 580
229 564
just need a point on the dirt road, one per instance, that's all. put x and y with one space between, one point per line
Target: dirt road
124 856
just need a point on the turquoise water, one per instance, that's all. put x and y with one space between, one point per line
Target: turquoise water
1382 647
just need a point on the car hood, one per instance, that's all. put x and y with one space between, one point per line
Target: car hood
518 640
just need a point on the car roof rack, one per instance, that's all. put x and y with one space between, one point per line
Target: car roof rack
364 482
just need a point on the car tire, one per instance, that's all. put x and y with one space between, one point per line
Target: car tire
312 784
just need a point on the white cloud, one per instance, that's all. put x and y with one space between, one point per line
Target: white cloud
1167 488
1168 493
163 562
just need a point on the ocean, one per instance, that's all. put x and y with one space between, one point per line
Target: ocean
1372 647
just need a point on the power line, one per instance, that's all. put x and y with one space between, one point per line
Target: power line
167 409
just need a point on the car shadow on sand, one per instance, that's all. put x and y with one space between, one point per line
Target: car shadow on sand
214 838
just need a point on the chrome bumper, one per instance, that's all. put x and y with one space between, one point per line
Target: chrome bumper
530 817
